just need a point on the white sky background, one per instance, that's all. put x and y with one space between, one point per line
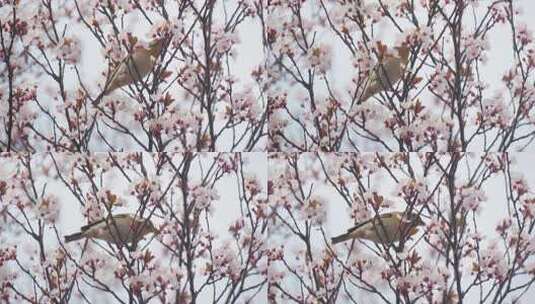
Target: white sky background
339 220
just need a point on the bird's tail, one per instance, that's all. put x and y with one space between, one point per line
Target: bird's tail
341 238
73 237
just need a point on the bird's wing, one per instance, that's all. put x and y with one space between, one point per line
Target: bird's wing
102 220
387 72
92 224
131 66
121 69
118 75
358 225
382 216
373 75
372 85
390 215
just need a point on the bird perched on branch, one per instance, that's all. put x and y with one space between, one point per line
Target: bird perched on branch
117 229
135 66
386 73
385 228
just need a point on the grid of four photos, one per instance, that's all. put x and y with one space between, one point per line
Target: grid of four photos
267 151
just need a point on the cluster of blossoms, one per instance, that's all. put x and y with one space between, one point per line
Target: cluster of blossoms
146 188
277 123
166 28
48 208
500 12
7 276
154 278
413 190
243 107
492 264
421 37
175 121
224 41
440 79
423 279
495 113
426 129
93 210
470 198
475 48
524 34
314 209
519 185
109 199
202 197
360 212
436 233
528 207
69 49
274 270
495 162
114 50
226 263
228 162
320 57
22 111
252 186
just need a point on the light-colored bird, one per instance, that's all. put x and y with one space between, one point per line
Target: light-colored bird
385 228
117 229
386 73
135 66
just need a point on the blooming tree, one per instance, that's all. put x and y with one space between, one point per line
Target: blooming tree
468 84
208 248
477 245
157 109
57 55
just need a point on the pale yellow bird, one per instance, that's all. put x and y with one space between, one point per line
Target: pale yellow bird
135 66
386 73
385 228
117 229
